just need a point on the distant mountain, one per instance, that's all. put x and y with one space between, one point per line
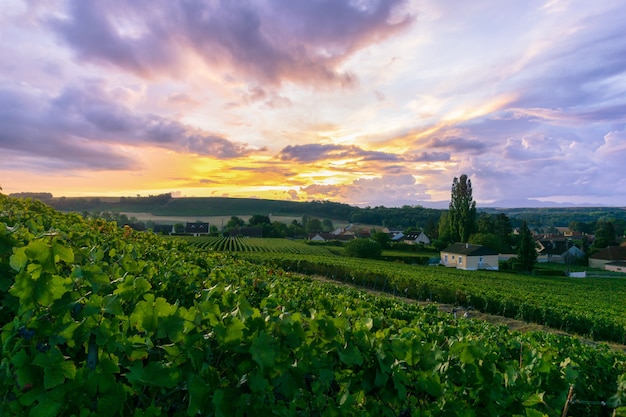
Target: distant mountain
530 203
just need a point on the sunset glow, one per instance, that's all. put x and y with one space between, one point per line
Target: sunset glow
379 102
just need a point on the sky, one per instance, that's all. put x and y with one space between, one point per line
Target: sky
365 102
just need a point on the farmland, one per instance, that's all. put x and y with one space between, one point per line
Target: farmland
140 325
265 245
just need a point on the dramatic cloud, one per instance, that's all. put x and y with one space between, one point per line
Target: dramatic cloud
268 41
401 189
85 121
361 101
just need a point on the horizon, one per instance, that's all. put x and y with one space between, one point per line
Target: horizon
438 205
362 102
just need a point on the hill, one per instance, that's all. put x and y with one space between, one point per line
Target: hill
391 217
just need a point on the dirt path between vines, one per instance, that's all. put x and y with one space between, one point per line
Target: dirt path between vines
512 324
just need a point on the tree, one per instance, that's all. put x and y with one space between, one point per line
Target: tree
259 220
605 235
234 223
526 250
382 238
461 217
363 248
327 224
313 225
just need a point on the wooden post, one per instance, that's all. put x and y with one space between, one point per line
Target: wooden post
569 398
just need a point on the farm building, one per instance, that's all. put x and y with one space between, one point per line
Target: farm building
607 255
411 238
325 236
616 266
197 229
469 257
557 249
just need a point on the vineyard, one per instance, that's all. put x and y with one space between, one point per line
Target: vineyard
591 307
142 326
252 244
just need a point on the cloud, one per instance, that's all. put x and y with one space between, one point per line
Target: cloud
313 152
387 190
266 42
458 144
86 125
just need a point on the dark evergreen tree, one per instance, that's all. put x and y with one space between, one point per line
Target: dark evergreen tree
462 213
526 250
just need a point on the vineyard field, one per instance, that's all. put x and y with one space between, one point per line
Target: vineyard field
137 325
252 244
592 307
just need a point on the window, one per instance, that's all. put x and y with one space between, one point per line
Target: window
460 260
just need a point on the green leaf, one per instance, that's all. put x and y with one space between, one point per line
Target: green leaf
19 259
38 250
48 405
534 399
146 314
62 253
232 332
198 393
52 376
263 350
351 355
155 374
531 412
94 275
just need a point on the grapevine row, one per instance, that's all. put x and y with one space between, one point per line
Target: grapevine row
143 326
591 307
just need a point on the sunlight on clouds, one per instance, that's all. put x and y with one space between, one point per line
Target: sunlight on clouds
474 111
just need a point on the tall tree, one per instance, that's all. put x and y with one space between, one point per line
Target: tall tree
462 213
526 250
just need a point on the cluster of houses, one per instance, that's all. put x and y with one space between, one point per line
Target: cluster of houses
556 248
550 248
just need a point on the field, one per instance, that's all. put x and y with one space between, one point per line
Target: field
556 302
143 326
251 244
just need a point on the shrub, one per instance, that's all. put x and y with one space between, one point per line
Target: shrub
364 248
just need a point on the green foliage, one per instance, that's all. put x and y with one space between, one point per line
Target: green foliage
102 321
363 248
234 222
313 225
383 239
553 302
605 235
461 220
526 249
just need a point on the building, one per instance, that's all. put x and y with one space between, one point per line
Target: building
469 257
197 229
616 266
557 249
607 255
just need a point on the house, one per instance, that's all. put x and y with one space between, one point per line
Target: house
557 249
326 236
163 229
197 229
411 238
469 257
415 238
616 266
607 255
